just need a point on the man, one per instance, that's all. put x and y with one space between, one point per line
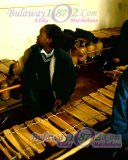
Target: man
48 76
120 113
121 52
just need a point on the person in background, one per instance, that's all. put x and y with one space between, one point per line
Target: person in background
119 123
48 76
121 53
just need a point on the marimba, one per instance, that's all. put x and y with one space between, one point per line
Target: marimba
26 140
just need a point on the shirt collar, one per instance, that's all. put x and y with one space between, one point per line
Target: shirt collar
47 54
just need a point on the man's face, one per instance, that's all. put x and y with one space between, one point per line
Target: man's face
42 39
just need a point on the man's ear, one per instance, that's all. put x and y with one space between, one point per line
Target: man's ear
49 40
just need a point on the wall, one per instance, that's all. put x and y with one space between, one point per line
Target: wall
21 21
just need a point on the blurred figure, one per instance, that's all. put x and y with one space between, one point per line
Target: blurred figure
120 114
121 55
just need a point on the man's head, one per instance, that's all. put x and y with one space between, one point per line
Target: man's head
50 36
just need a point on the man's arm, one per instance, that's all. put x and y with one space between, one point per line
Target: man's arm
120 109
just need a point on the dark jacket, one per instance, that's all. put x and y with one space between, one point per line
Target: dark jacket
64 77
120 109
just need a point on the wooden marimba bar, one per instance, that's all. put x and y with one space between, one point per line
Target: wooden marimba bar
116 73
32 137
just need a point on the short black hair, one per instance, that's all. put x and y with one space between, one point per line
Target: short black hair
53 31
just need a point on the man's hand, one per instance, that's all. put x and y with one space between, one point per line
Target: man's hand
57 104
